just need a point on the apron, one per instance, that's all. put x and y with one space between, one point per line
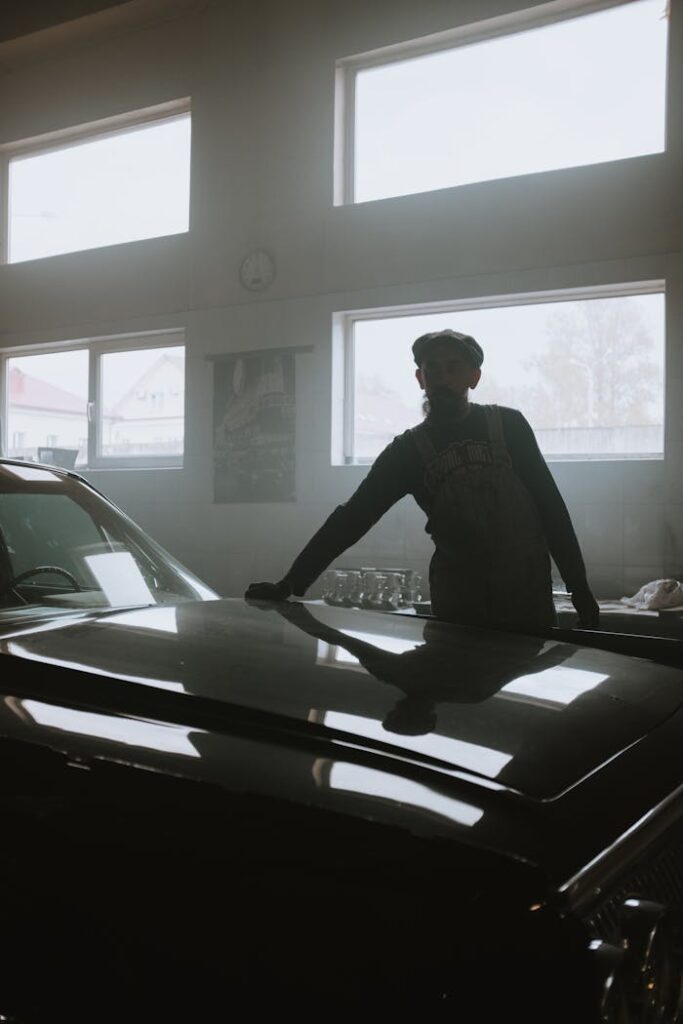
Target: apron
491 565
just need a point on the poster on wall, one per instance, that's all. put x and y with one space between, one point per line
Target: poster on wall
254 427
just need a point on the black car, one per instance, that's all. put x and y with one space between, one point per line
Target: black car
215 811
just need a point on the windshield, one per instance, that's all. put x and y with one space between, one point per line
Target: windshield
65 547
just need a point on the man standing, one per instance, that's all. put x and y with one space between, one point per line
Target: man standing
493 509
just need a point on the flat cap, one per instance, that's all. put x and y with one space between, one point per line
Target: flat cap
469 347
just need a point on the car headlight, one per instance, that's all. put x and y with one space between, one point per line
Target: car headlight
652 962
609 961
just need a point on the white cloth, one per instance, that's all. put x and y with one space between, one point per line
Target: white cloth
655 595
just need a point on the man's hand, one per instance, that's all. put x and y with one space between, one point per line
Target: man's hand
587 609
268 591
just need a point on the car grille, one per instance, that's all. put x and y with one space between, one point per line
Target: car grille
660 878
637 932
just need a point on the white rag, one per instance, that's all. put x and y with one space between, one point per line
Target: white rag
655 595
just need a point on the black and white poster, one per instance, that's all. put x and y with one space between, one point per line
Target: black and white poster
254 427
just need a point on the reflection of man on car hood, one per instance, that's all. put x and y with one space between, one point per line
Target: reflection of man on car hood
431 673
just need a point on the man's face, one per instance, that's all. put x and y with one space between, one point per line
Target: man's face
446 369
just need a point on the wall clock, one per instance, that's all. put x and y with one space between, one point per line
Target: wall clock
257 270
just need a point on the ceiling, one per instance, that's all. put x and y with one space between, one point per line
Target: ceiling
20 18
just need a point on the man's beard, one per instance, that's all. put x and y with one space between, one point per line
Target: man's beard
446 406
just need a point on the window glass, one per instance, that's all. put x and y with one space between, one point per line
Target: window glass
47 397
63 546
45 529
580 91
142 407
128 185
588 374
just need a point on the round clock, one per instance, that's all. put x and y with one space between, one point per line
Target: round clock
257 270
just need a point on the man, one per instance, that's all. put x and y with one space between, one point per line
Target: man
493 509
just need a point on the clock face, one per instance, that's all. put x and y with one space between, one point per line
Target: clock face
257 270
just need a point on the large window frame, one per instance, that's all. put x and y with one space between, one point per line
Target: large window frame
343 356
348 68
104 128
96 349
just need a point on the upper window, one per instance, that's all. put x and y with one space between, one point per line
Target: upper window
586 369
109 402
502 98
125 180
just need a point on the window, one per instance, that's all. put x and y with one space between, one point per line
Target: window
125 179
586 369
515 95
83 402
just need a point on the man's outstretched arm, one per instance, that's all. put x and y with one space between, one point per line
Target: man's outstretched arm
384 485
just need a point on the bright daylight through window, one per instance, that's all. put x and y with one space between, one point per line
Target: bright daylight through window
97 404
99 189
583 90
587 372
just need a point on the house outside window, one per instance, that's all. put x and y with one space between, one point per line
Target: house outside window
585 367
141 412
83 401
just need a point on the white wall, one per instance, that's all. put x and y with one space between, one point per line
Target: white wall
261 78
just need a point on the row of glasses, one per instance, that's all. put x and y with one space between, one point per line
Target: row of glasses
378 589
410 585
343 588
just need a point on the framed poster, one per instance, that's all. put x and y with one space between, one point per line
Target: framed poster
254 419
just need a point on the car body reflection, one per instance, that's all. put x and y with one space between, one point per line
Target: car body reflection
368 782
171 739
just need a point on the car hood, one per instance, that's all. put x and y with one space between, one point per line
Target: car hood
526 713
